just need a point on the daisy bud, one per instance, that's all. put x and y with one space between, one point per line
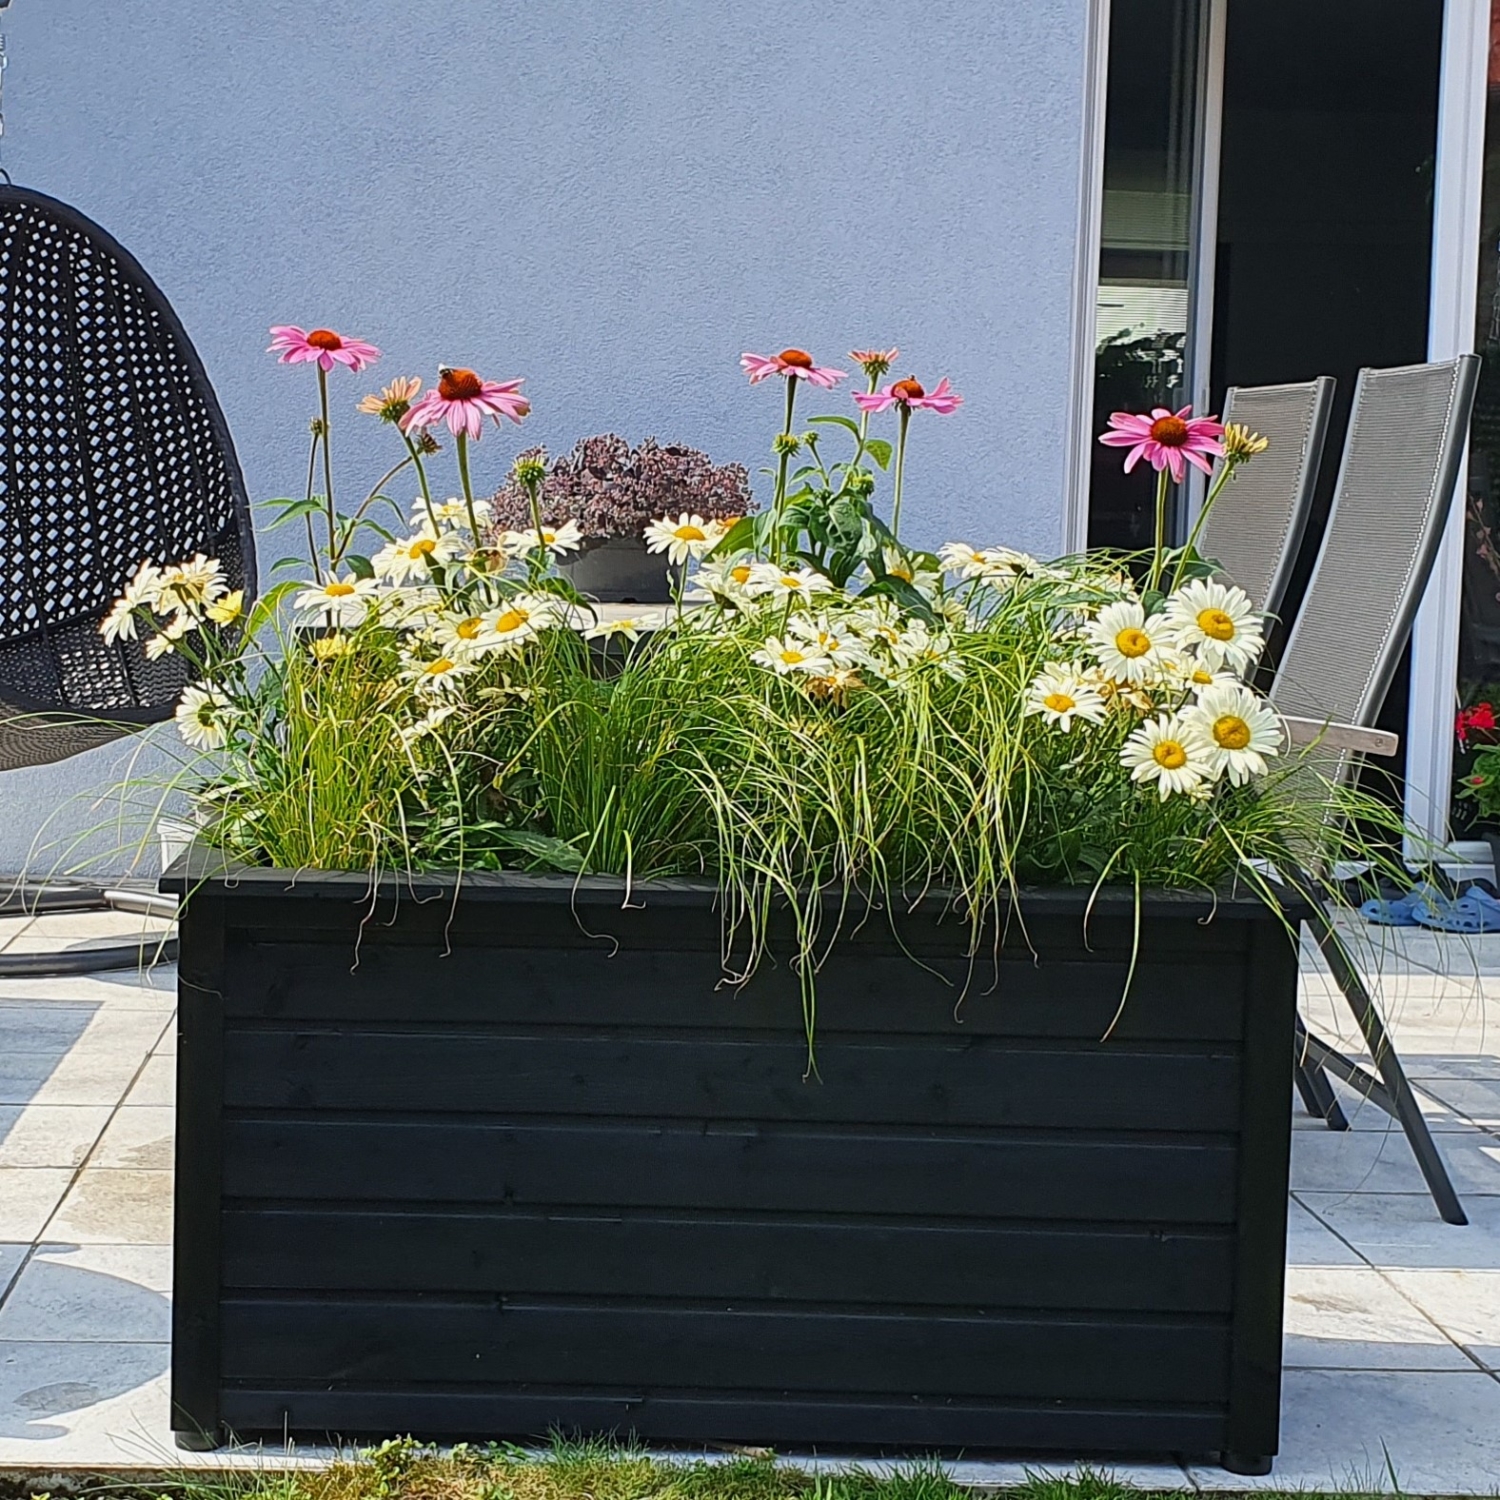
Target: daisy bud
785 444
529 472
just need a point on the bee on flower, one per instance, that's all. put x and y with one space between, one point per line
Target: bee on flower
689 536
1060 694
556 539
1217 623
1169 751
787 656
414 557
1128 645
1240 729
337 601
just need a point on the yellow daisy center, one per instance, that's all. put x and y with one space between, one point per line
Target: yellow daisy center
1231 732
1202 678
438 667
1132 642
422 548
1169 755
466 630
1216 625
339 590
548 536
690 534
789 582
512 619
741 574
1060 703
791 656
900 571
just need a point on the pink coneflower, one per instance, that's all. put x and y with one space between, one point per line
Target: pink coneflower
795 364
874 362
463 400
322 346
913 396
1165 439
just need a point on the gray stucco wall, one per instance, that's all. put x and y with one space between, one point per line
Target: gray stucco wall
612 199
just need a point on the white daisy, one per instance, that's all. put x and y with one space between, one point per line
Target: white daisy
1169 751
1240 729
427 723
828 638
630 628
687 536
515 621
164 642
773 581
1128 647
918 646
451 513
189 587
727 579
1217 623
788 655
414 557
898 563
445 674
556 539
142 592
203 715
339 601
1061 694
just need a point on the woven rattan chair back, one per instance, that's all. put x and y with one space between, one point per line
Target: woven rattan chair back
113 450
1256 526
1390 508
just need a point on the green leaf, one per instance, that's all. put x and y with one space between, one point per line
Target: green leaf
266 606
879 450
740 537
838 422
360 566
905 595
546 851
287 562
291 509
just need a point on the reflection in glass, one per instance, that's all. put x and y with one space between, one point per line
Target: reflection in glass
1146 255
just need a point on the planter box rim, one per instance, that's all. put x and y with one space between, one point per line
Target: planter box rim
202 868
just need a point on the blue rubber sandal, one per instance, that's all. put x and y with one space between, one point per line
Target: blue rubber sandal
1474 912
1402 911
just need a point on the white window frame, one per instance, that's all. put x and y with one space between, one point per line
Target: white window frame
1457 187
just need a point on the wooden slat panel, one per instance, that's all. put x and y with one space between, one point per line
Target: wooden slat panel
787 1170
418 1341
515 1253
698 1417
978 1081
1196 998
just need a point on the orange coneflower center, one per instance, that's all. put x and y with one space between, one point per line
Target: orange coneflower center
325 338
908 390
799 357
459 385
1170 432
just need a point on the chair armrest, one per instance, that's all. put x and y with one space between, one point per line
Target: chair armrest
1340 736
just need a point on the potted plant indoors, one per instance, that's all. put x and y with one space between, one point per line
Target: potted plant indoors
861 1015
612 492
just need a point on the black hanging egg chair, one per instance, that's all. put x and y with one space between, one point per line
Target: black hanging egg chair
113 451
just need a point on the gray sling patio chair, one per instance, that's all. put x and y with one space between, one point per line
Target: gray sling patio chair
1391 505
1256 526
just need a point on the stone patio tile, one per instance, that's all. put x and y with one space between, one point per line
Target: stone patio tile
82 1405
1474 1099
11 928
1380 1161
1310 1242
1164 1476
138 1136
113 1206
167 1046
63 928
50 1026
1440 1429
28 1196
1348 1318
121 989
1465 1304
11 1257
49 1135
1362 1114
157 1084
1402 1231
91 1293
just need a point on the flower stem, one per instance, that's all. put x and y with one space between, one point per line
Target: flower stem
1208 504
902 420
1158 556
461 441
333 540
779 504
312 469
367 502
416 458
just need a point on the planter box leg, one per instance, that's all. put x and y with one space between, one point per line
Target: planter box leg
198 1442
1246 1463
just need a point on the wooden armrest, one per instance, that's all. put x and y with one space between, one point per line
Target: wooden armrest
1340 736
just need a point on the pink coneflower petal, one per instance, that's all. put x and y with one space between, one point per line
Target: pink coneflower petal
321 346
1166 439
463 400
874 400
794 364
912 395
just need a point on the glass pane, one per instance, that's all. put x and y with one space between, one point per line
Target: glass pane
1479 636
1145 259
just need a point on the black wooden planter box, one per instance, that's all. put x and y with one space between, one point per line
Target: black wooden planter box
459 1168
